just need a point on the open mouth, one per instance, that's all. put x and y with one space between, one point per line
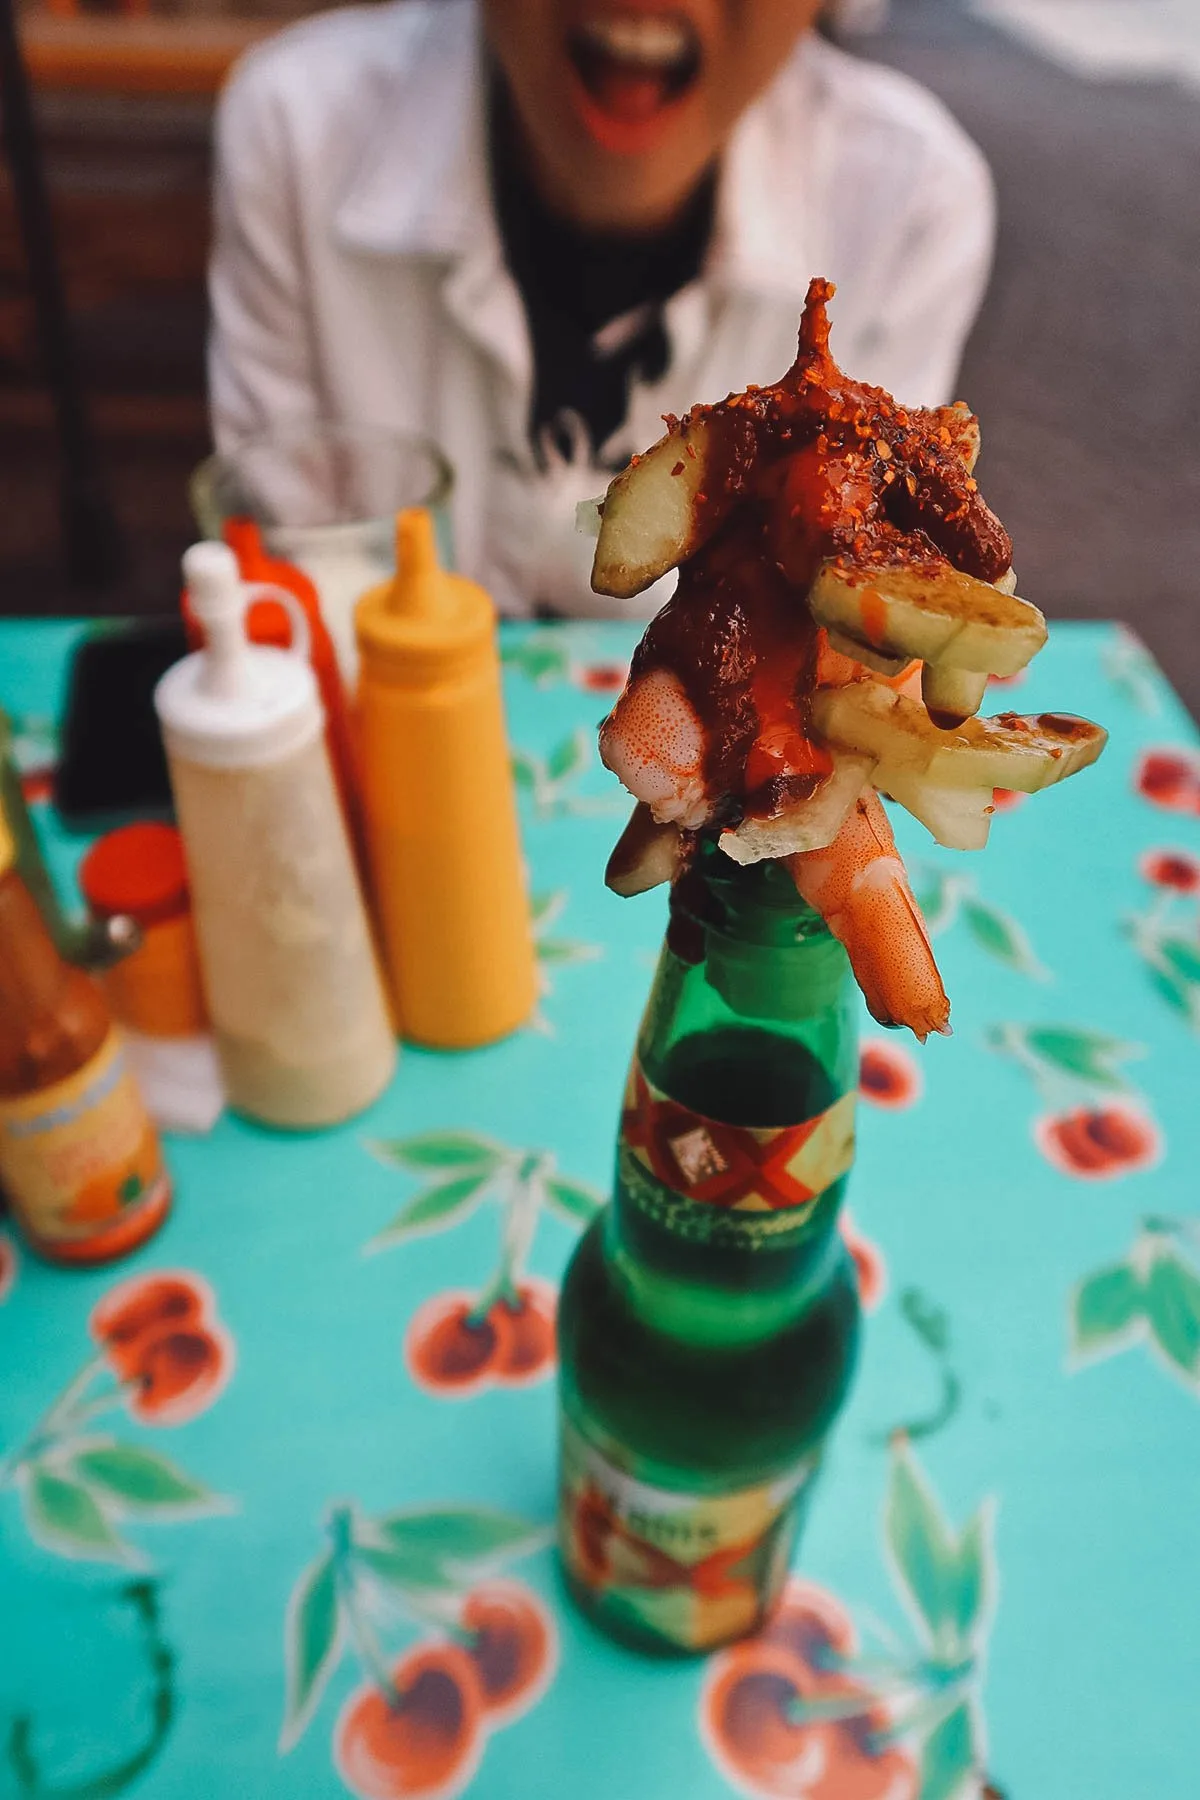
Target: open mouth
632 66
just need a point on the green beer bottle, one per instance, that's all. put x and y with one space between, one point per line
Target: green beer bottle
708 1323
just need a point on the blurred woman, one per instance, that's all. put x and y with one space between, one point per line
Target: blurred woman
527 228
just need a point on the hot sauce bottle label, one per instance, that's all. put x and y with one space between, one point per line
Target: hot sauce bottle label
80 1161
736 1167
692 1569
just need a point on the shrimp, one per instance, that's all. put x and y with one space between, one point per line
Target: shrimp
654 743
860 887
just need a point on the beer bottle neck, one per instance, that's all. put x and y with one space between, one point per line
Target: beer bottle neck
737 1130
726 1303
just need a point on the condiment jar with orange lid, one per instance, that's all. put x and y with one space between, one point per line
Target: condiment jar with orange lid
140 871
439 808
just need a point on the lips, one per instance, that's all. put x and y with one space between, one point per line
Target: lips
632 71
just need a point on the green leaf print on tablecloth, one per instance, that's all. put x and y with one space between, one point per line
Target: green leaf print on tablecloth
1151 1297
554 952
442 1150
541 657
804 1711
141 1480
434 1209
166 1357
63 1515
461 1342
550 781
485 1650
313 1638
948 1757
945 896
943 1577
545 911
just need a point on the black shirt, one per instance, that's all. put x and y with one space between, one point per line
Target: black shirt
594 300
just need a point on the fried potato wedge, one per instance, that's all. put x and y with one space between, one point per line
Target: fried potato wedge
665 505
951 696
1009 751
938 615
807 824
959 818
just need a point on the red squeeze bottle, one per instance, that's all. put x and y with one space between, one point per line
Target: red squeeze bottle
267 622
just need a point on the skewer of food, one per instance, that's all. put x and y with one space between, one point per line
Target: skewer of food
844 596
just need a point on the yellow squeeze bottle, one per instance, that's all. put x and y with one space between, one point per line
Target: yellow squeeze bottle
443 846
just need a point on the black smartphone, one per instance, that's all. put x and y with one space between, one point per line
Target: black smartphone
112 766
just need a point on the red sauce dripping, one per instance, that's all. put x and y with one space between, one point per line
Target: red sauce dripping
818 467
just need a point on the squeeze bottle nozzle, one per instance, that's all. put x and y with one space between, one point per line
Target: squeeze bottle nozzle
218 599
419 588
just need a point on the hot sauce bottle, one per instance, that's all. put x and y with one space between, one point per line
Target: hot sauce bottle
80 1161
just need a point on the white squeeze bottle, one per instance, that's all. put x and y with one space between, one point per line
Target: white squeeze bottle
289 968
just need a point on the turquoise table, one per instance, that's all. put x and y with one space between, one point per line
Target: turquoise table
205 1552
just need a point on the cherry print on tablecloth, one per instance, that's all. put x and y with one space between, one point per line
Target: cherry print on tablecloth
161 1335
163 1354
459 1343
870 1269
1176 870
512 1643
462 1341
421 1741
1169 778
1097 1143
799 1712
485 1649
601 677
888 1075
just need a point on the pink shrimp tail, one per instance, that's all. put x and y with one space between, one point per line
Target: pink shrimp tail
859 886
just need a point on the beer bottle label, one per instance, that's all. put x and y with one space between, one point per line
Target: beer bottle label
691 1569
763 1181
80 1161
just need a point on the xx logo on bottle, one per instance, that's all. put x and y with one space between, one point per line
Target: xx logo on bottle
737 1167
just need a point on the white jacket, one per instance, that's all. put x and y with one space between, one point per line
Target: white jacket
357 272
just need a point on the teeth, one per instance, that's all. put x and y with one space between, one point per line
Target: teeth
654 43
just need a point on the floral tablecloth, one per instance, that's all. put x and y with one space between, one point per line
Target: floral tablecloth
267 1466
